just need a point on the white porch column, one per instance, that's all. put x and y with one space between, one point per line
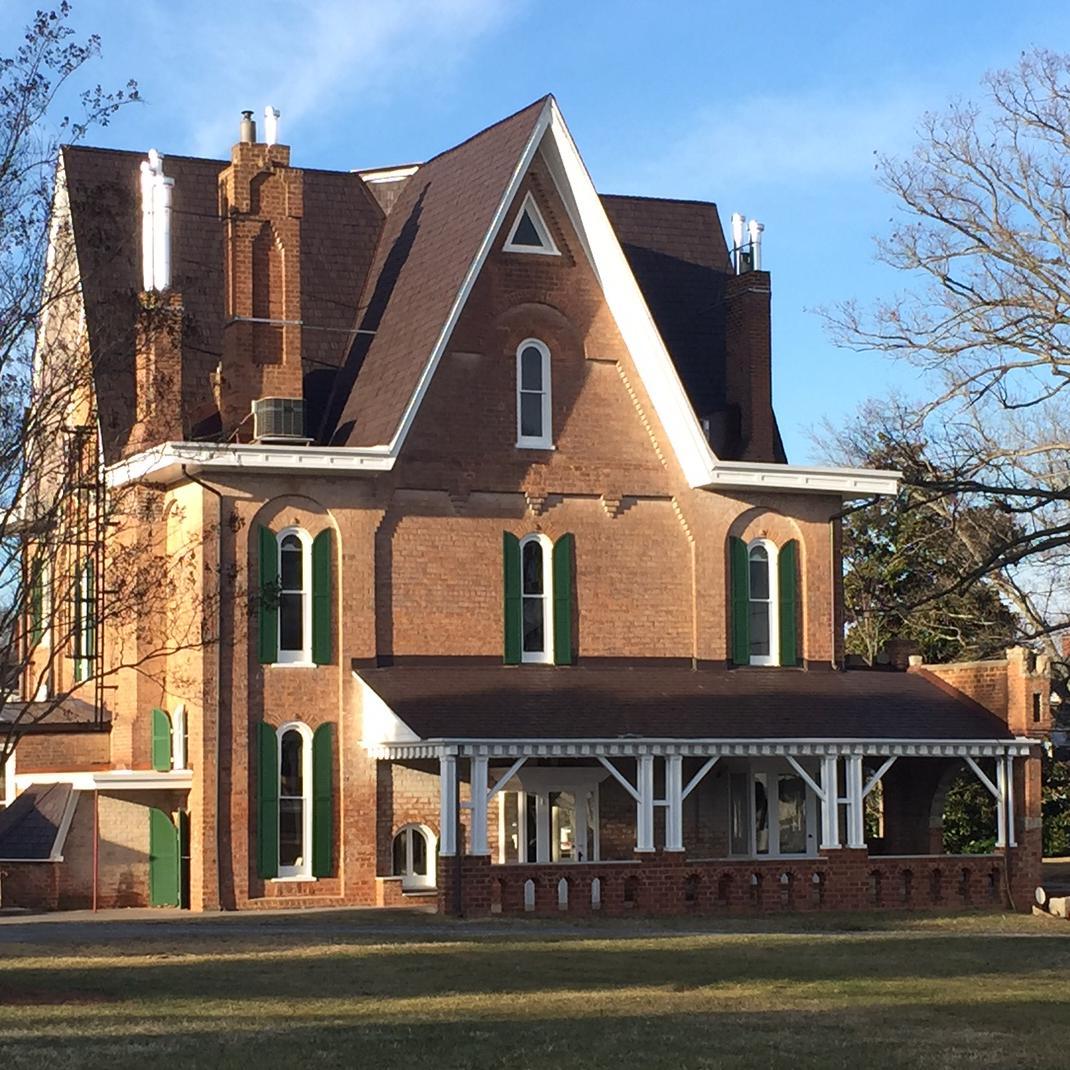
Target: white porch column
856 825
447 809
1012 840
542 827
644 810
674 803
478 841
830 817
1001 803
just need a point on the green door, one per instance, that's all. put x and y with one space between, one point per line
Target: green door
165 887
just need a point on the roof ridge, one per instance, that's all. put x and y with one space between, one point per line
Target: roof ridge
487 129
647 197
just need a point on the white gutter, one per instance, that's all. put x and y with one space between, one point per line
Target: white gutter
164 464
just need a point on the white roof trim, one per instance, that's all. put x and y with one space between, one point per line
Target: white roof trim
128 779
55 853
387 174
700 748
853 482
379 723
164 464
530 209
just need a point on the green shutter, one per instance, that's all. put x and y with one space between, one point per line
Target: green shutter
267 825
562 566
165 874
269 597
321 598
513 609
323 801
740 601
787 587
161 741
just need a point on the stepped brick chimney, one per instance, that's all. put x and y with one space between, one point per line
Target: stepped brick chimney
748 346
260 205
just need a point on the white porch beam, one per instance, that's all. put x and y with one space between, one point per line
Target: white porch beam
620 778
856 826
830 816
447 816
998 792
502 781
813 785
1012 840
875 779
644 807
480 795
700 775
674 799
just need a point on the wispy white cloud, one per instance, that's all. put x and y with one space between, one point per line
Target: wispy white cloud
212 57
786 139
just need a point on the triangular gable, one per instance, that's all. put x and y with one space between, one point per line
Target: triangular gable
417 282
529 232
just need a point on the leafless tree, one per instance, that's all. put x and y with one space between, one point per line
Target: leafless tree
983 236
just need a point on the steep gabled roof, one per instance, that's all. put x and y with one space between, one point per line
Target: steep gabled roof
427 249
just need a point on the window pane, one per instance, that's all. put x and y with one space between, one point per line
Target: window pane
533 626
291 622
400 861
531 415
290 765
759 573
792 815
291 831
531 369
292 562
511 802
738 814
533 567
526 234
761 814
759 629
419 853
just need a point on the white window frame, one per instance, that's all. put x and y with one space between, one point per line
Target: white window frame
410 880
302 657
773 770
773 657
7 782
545 441
548 247
546 655
303 871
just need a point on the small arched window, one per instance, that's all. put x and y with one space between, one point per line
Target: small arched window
536 587
295 801
413 857
533 429
295 601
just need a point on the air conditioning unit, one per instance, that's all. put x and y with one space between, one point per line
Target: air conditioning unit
279 420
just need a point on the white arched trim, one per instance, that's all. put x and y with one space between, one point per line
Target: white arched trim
539 603
302 868
298 654
770 548
533 412
404 856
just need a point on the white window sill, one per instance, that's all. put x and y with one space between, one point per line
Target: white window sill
294 878
294 665
531 444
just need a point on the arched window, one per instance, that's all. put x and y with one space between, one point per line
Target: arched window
414 858
295 801
533 429
536 587
295 602
762 602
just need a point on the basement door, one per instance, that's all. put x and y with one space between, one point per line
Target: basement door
165 860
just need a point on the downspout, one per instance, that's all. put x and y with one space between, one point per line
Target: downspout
218 677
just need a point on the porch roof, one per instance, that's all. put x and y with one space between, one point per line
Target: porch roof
536 702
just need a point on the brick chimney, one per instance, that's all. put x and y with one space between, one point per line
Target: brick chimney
748 352
260 205
158 370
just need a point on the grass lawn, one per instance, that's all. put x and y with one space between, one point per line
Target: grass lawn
365 989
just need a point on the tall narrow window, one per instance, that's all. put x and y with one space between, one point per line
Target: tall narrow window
533 396
295 808
762 608
536 584
295 605
84 631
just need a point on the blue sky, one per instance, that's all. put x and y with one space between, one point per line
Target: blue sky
775 110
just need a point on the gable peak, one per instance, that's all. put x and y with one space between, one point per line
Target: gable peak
529 232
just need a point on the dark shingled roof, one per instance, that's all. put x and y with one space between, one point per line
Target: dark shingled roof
579 703
30 826
429 242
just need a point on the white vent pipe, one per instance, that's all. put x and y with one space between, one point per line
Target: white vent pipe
156 192
755 229
737 241
271 125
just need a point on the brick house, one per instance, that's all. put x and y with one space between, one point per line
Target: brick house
515 603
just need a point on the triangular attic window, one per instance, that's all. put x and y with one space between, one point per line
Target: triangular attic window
529 233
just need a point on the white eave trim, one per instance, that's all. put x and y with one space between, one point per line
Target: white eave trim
111 780
164 464
849 482
701 748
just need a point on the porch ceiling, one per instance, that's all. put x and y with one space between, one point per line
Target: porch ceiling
576 703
